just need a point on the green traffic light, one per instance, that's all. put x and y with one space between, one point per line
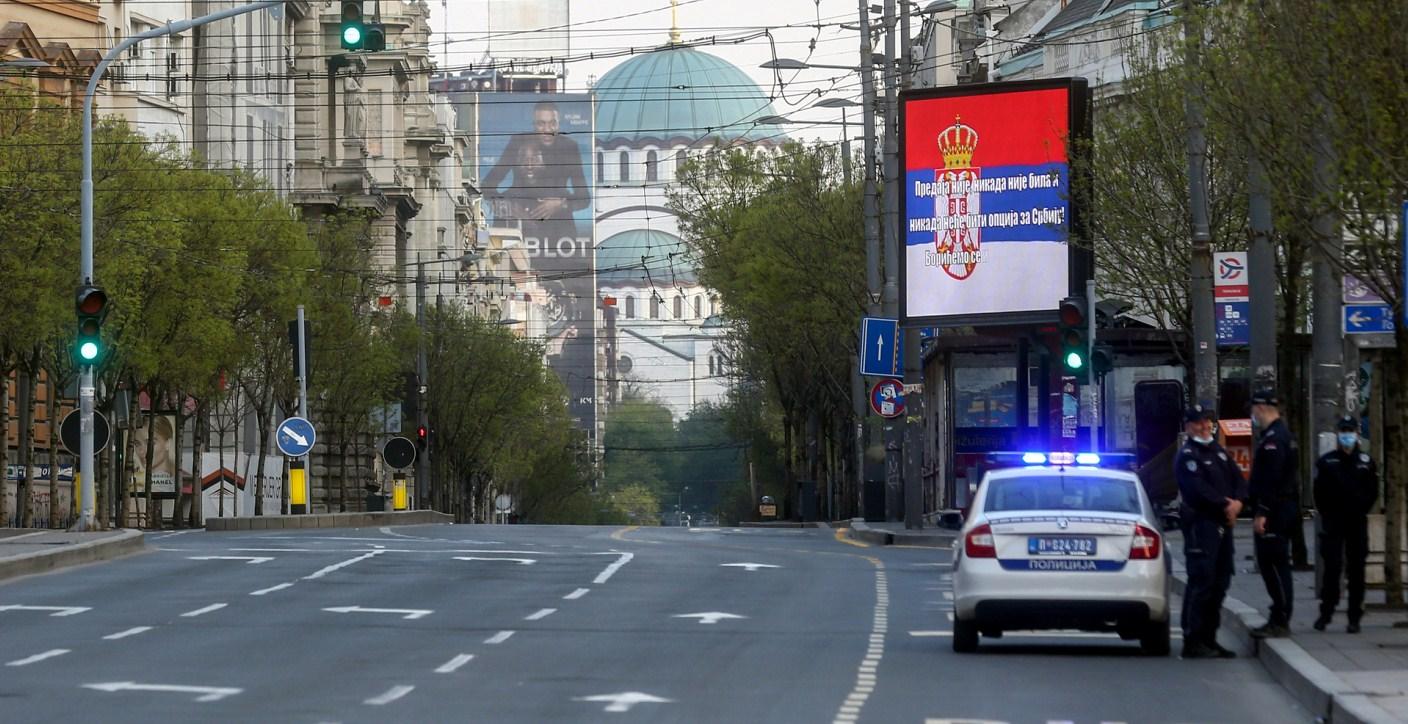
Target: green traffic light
88 351
351 36
1074 361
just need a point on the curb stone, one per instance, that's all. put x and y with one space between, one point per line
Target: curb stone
859 531
126 542
328 520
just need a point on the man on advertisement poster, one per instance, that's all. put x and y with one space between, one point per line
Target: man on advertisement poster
535 152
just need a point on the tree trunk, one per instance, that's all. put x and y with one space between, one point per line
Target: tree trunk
126 483
1394 481
342 473
261 418
180 435
200 443
26 442
4 448
149 453
53 413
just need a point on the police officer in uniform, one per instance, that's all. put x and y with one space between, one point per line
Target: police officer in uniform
1212 490
1275 499
1346 487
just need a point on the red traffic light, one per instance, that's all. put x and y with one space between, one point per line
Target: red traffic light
422 433
91 301
1072 312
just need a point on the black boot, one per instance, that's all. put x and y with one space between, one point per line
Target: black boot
1323 621
1271 631
1353 626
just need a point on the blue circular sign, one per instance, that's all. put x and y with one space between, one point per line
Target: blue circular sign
295 437
887 398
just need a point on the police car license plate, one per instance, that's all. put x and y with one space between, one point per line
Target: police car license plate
1061 546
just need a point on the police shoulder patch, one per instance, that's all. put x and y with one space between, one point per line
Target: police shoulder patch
1270 446
1192 465
1363 457
1222 455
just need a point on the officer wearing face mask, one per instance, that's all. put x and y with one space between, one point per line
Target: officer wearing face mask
1346 487
1275 498
1212 490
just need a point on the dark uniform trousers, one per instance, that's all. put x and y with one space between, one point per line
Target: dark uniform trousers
1337 543
1209 555
1273 559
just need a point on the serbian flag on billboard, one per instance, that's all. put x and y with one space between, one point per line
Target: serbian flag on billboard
987 202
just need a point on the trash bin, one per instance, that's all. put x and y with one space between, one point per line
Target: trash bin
375 501
767 508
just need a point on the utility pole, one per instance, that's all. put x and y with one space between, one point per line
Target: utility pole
1326 337
871 224
422 415
1261 273
86 391
893 434
913 365
1200 260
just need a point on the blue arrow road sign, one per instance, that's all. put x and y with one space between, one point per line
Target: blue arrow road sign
1368 319
295 437
881 354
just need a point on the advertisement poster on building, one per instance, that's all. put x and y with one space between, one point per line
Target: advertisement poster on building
163 434
535 156
988 206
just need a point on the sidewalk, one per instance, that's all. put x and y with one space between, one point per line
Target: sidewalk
1342 677
895 534
25 551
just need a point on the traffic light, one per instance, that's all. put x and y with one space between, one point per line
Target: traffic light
1075 339
375 38
1102 360
422 436
91 304
352 30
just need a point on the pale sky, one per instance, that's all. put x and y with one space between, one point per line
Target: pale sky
602 26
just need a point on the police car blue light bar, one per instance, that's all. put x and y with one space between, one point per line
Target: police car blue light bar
1034 458
1087 459
1126 461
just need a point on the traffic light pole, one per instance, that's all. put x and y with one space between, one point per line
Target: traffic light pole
1090 313
85 275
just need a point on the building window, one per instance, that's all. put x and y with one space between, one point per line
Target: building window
625 166
711 365
654 306
630 307
652 166
600 167
713 306
681 157
679 307
698 306
249 142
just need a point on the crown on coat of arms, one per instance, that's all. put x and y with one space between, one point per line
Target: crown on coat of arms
957 144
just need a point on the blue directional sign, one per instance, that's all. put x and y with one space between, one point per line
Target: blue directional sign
1234 328
295 437
881 354
1368 319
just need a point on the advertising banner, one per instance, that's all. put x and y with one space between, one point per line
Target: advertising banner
535 155
163 433
987 204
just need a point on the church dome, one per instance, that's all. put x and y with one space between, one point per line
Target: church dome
666 260
680 95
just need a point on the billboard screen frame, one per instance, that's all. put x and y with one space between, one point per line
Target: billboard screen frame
1080 256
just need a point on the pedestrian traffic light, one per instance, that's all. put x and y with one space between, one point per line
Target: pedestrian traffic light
422 436
375 37
1075 339
353 29
1102 360
91 304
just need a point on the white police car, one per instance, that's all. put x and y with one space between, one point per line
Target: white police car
1061 543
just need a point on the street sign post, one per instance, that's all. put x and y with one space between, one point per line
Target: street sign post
881 355
399 452
1231 293
71 437
295 437
887 398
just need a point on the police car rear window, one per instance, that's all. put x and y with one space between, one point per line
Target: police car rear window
1062 492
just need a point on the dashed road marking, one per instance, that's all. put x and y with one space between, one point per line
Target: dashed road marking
577 594
499 637
129 632
205 610
450 666
392 694
540 614
270 589
609 571
337 566
850 709
51 653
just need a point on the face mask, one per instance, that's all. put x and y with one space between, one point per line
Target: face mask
1202 440
1348 439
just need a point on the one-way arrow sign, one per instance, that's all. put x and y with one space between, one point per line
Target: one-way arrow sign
710 617
207 693
623 701
880 347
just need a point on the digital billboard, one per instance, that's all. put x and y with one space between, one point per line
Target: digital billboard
987 206
535 160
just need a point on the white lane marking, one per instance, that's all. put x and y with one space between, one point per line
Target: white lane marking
57 610
406 613
577 594
279 550
623 701
610 570
749 566
1036 635
14 538
710 617
336 566
392 694
271 589
202 611
519 561
499 637
850 709
540 614
129 632
172 535
207 693
450 666
51 653
929 565
436 551
249 560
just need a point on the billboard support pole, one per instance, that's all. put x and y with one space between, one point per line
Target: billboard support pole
894 436
1200 261
871 225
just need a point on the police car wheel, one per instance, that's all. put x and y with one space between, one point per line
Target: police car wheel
1155 639
965 636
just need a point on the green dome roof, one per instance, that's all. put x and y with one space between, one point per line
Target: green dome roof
667 260
678 95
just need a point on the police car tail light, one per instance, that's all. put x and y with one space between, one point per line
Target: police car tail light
979 543
1146 544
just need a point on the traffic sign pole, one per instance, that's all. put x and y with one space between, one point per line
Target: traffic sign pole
303 397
